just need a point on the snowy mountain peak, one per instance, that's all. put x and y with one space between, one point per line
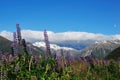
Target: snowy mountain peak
52 46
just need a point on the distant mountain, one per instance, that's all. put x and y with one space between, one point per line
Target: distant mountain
115 54
101 48
5 46
57 49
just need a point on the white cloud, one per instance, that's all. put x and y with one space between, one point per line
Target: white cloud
6 34
33 36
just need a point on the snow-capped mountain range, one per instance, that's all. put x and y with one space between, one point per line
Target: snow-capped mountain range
99 48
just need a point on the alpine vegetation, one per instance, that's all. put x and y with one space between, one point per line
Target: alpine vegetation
22 64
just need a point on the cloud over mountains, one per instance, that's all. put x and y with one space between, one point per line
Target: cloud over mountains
33 36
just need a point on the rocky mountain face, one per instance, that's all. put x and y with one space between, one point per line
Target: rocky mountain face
101 48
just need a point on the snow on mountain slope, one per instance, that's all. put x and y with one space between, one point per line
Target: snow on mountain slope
52 46
57 49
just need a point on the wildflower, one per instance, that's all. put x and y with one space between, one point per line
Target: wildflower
19 34
14 46
68 58
59 61
62 52
48 53
104 62
24 46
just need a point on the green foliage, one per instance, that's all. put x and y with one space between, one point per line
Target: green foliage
47 69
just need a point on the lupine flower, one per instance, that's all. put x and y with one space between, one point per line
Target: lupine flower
48 53
19 34
54 55
68 58
104 62
59 61
62 53
24 46
14 46
10 58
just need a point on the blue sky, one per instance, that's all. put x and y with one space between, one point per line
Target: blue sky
96 16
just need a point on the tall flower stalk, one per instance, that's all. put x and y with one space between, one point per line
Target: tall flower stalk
14 44
19 34
47 43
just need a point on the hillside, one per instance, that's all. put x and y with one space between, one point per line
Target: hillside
5 44
115 54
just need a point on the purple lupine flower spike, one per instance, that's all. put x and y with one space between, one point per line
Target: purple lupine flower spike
48 53
54 55
24 46
104 62
62 53
14 44
68 58
59 61
19 34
